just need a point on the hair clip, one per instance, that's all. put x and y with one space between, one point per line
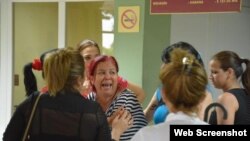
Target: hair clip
187 64
187 61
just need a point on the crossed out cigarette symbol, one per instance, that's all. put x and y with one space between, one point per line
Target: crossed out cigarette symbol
128 19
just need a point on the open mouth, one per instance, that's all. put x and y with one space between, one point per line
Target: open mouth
106 86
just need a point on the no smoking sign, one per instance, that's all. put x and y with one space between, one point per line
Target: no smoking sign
128 19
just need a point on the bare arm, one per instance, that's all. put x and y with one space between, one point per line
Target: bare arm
150 109
138 91
231 105
203 105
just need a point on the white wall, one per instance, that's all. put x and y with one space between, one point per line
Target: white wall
210 33
5 64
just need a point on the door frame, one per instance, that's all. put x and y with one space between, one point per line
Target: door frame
7 51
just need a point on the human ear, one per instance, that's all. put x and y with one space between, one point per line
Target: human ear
231 73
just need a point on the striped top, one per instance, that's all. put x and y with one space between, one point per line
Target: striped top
130 103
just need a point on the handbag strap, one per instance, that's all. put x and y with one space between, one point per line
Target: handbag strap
30 118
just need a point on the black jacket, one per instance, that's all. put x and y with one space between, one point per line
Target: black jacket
65 117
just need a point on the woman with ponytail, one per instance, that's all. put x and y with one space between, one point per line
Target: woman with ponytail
227 74
30 82
62 114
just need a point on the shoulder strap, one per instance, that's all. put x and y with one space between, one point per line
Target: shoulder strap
30 118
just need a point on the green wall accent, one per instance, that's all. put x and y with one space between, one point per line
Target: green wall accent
128 47
156 38
139 53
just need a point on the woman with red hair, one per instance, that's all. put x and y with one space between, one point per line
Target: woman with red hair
103 74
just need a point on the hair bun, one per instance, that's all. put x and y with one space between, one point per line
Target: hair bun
187 61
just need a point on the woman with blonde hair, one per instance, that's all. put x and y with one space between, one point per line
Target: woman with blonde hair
61 112
184 82
156 110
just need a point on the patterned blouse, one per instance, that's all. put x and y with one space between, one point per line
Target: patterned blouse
130 103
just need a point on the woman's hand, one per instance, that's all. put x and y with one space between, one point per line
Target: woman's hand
120 123
119 111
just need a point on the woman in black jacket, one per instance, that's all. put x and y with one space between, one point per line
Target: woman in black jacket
62 113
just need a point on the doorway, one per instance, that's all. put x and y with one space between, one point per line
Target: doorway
38 27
